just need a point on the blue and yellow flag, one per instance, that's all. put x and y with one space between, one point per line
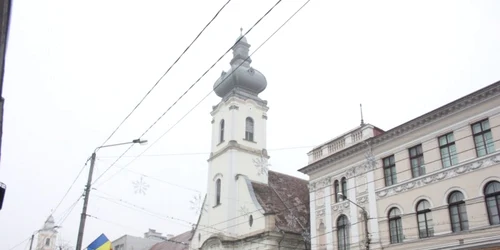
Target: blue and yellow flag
101 243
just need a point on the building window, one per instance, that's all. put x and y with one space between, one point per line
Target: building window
395 226
417 161
249 129
217 191
343 183
458 213
483 139
47 242
448 150
343 233
492 197
221 131
424 219
336 190
390 171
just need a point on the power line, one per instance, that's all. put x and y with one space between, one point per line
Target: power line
20 243
190 87
71 186
168 70
200 153
399 172
407 214
357 185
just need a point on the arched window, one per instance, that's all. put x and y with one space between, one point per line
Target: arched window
424 219
47 242
343 232
217 192
395 226
336 190
343 182
458 213
249 129
221 131
492 199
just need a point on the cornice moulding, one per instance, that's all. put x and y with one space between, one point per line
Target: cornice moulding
440 175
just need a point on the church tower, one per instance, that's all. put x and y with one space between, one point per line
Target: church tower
238 132
47 236
246 203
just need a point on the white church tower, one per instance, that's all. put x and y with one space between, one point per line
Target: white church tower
47 236
240 197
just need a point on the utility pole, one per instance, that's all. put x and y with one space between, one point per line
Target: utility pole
85 203
89 183
31 244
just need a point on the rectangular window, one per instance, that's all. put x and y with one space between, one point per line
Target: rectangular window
483 139
417 161
448 150
390 171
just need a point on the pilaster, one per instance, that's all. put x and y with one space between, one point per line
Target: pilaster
312 215
353 214
328 214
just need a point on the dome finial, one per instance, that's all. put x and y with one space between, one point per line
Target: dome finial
241 31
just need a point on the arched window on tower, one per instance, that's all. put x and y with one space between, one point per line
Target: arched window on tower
221 131
47 242
249 128
217 192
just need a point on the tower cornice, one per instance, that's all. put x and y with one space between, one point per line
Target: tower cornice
235 145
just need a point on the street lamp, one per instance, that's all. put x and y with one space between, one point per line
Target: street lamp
365 218
87 188
37 231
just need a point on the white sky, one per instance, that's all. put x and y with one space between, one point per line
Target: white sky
76 68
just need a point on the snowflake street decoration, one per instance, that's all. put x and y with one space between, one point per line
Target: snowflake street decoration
244 211
140 186
197 204
262 165
291 220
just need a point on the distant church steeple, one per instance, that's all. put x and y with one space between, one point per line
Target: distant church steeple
47 236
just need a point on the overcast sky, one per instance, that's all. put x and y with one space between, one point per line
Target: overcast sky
75 69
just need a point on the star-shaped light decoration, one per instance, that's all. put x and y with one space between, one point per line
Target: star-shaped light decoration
244 211
197 204
261 164
140 186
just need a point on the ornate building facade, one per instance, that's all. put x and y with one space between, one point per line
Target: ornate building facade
430 183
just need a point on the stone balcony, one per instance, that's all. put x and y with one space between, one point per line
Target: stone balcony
344 141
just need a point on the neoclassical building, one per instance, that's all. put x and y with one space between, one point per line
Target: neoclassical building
247 206
430 183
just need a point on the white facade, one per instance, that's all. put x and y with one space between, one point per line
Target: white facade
233 214
431 183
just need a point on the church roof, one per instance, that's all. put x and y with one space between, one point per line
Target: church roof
179 242
288 198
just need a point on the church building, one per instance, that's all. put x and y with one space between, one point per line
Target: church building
247 206
47 236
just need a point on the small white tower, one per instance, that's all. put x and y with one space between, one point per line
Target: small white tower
47 236
238 133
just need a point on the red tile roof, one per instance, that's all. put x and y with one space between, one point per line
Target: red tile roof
179 242
288 198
